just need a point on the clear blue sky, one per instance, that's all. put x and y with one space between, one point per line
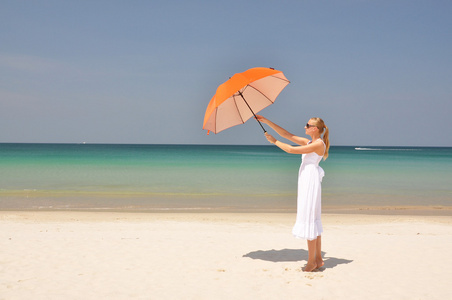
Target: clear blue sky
377 72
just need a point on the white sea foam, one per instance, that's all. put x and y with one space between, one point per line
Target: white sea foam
385 149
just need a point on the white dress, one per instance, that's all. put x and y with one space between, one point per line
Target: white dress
308 225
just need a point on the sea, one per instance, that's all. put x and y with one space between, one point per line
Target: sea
102 177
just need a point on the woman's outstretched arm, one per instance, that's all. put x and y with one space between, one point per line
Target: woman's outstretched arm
316 146
282 132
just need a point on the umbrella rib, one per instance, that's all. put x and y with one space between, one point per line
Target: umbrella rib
280 79
249 86
263 93
237 108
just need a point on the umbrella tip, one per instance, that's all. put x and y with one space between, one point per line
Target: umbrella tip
271 68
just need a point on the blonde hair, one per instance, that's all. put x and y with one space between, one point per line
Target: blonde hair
323 129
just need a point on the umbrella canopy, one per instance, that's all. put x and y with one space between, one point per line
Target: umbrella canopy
242 96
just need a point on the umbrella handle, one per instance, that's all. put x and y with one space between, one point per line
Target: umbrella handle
240 93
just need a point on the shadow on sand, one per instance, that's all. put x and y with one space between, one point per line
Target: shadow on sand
287 255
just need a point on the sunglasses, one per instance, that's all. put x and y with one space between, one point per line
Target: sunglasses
309 125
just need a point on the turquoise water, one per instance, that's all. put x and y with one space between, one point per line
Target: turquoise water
167 177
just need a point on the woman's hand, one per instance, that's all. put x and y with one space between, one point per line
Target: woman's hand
261 119
270 138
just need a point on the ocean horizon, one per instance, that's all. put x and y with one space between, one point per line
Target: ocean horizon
162 177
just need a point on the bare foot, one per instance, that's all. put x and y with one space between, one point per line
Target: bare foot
320 264
310 267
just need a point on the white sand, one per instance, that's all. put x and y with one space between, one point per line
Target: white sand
79 255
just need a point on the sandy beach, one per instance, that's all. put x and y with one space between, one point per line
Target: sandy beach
109 255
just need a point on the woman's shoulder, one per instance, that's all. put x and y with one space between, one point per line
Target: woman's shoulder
317 141
319 146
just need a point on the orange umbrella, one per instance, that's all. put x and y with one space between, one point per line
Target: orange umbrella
242 96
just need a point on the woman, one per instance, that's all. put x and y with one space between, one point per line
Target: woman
308 224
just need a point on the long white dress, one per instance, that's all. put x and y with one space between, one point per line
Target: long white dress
308 225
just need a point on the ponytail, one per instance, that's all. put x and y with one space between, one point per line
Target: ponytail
326 139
